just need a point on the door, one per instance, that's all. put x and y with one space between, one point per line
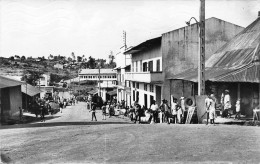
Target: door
158 95
145 100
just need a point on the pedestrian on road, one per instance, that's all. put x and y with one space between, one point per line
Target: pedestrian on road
104 111
61 106
137 113
207 105
237 109
42 108
227 104
154 109
183 108
174 109
212 109
93 110
167 111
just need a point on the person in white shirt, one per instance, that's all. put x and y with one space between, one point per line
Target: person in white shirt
227 104
212 109
154 109
207 106
237 109
174 109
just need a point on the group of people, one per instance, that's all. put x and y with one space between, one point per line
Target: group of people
163 113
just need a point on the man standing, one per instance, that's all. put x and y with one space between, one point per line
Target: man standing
166 111
207 105
212 109
227 104
137 112
93 110
154 108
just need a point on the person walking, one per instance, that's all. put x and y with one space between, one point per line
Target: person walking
154 109
207 106
104 111
184 112
238 113
93 110
212 109
227 104
174 109
137 113
166 111
42 109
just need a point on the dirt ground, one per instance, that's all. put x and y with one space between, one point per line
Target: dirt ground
71 137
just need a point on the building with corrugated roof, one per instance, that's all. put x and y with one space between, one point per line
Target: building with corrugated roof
236 67
10 98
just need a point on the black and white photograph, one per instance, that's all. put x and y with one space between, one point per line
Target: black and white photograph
129 81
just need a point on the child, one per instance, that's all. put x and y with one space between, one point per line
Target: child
237 109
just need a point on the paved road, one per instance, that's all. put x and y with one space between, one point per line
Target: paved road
72 137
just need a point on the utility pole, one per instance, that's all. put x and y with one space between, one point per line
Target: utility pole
124 40
201 59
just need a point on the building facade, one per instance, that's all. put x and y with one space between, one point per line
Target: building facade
180 52
106 79
146 72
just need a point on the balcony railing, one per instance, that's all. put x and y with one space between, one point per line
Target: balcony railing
146 77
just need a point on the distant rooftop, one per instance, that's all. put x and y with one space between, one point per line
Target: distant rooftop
95 71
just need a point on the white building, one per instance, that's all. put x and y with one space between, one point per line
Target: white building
123 65
106 77
146 77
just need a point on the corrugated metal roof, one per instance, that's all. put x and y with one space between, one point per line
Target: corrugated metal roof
236 61
239 50
111 93
144 45
30 90
95 71
6 82
92 92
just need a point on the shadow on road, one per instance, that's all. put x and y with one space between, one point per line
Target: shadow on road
52 124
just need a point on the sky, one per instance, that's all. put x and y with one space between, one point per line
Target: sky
95 27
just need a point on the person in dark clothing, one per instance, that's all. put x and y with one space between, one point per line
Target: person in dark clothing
42 109
93 110
137 113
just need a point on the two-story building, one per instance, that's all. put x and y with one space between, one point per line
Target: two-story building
155 61
146 72
106 79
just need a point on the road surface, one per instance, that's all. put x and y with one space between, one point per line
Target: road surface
71 137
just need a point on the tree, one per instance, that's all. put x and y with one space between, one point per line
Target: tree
11 58
17 56
32 76
79 58
91 63
23 58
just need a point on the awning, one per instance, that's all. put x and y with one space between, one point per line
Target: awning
30 90
249 73
6 82
92 92
111 93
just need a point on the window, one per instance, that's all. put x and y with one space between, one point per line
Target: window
136 67
137 85
133 84
145 87
145 67
158 65
150 66
151 88
133 95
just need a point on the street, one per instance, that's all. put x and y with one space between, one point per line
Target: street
71 137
